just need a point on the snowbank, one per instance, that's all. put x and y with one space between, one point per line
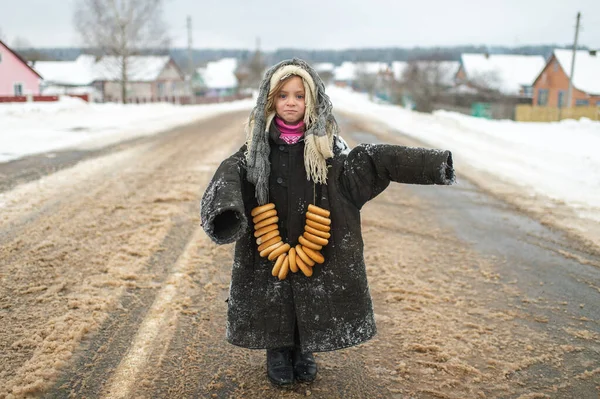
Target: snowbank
32 128
559 160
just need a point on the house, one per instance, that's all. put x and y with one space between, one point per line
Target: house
17 78
552 84
348 73
149 78
217 79
509 74
69 77
325 71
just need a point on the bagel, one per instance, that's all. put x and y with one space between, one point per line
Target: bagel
316 232
285 267
319 219
268 236
309 244
318 211
264 215
317 226
277 266
266 222
278 251
260 209
315 239
302 255
302 266
270 249
264 230
292 257
314 255
268 243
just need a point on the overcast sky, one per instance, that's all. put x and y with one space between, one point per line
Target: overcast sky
331 24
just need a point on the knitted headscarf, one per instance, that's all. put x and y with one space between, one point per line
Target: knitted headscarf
321 127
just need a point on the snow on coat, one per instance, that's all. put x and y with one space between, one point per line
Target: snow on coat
333 308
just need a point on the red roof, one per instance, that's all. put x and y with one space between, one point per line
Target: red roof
20 59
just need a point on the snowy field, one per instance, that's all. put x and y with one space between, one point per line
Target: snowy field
558 160
33 128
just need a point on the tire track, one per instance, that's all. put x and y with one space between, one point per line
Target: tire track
68 265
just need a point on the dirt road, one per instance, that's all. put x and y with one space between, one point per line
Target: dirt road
110 289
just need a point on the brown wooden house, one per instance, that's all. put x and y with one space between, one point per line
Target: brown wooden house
551 86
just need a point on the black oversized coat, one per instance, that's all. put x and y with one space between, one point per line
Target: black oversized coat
333 308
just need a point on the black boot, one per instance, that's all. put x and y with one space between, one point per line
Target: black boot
279 366
305 367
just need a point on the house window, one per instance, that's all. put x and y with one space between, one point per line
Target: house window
528 91
18 89
561 98
542 97
161 89
555 66
0 57
582 103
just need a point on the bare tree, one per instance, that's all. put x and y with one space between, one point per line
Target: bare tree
121 28
427 82
365 80
250 74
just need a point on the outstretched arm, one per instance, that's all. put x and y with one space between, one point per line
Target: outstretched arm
369 168
222 210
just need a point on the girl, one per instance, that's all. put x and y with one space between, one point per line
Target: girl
293 158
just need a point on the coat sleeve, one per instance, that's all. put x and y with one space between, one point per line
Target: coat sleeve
222 211
369 168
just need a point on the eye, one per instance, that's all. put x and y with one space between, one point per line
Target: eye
282 95
300 96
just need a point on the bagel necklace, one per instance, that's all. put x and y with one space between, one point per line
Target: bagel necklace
302 257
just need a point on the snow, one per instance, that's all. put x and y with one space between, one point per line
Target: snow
350 70
139 68
85 69
220 74
74 73
504 72
33 128
587 69
324 67
559 160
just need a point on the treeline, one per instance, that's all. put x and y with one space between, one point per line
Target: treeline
202 56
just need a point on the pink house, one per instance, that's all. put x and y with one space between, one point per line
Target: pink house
16 77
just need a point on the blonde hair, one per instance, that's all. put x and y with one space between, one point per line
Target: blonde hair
270 107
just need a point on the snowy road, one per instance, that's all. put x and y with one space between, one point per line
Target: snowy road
109 288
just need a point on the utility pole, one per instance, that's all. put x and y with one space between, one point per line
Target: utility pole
190 62
570 92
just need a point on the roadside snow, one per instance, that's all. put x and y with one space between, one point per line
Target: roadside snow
559 160
33 128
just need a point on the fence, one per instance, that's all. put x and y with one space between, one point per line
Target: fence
528 113
24 99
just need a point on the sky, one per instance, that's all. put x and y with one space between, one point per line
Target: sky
331 24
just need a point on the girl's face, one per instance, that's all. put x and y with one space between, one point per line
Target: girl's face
289 103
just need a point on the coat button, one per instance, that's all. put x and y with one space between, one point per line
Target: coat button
279 180
281 148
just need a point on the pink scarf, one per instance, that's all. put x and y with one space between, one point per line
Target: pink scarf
291 134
